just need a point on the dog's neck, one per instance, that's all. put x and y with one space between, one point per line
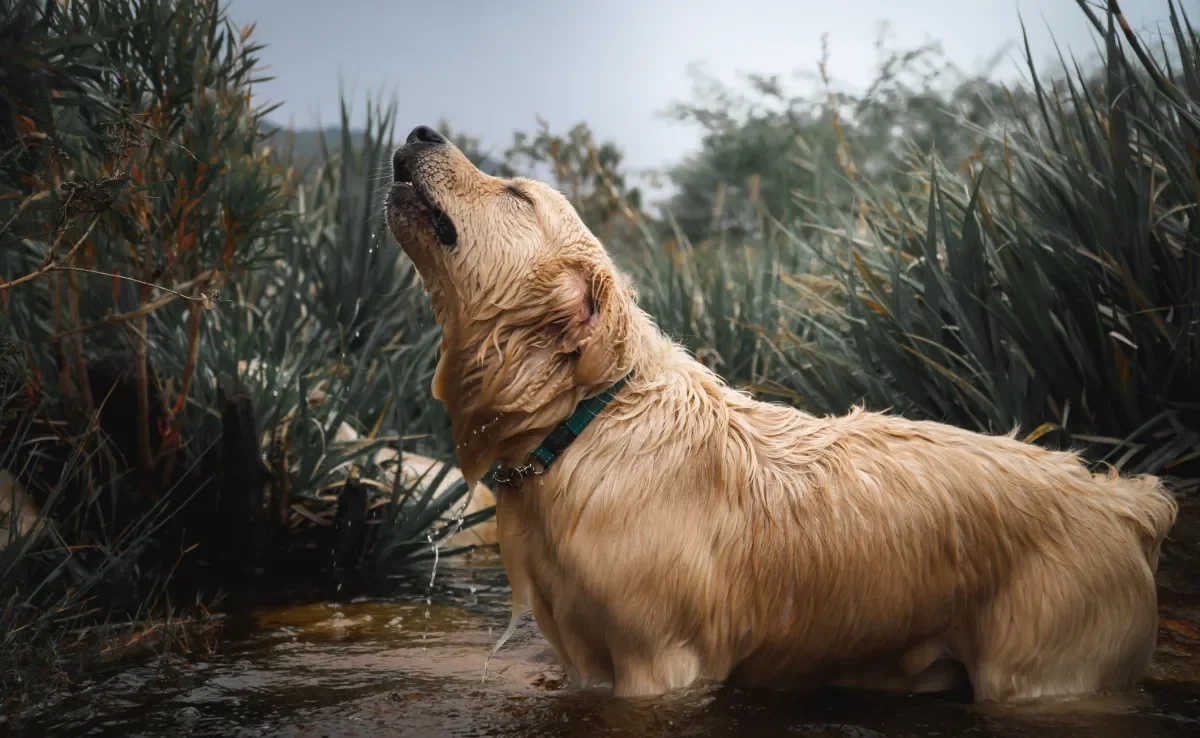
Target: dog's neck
484 436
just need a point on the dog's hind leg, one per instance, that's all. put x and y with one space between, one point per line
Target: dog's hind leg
1065 625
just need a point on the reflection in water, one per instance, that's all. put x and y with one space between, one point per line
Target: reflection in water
407 660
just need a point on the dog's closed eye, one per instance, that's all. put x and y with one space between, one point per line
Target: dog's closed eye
519 193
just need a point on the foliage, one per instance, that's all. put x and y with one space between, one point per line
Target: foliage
1071 306
194 329
769 149
128 163
1048 282
349 381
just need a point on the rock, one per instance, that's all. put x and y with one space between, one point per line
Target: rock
188 714
483 534
27 519
416 466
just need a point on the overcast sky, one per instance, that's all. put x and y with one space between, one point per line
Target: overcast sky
491 66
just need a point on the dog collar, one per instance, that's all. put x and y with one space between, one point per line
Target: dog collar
557 441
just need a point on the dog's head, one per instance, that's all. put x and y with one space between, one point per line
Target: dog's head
533 314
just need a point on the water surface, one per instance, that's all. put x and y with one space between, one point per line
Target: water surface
402 658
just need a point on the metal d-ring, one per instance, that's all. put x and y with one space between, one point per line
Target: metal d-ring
514 476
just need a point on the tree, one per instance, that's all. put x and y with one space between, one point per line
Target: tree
768 150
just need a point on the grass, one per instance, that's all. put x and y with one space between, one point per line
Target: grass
1049 282
1057 290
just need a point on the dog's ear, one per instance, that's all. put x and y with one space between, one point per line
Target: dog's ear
577 313
589 320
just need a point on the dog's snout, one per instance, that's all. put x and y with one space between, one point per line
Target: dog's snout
400 171
418 139
425 134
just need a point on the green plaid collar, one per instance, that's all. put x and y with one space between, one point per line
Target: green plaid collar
557 441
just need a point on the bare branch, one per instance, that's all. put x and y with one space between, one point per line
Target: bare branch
149 307
203 298
54 264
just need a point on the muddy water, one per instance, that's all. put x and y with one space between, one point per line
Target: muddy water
404 659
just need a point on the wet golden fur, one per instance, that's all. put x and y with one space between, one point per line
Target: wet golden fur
693 533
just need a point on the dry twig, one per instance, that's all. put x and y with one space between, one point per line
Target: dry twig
206 298
56 264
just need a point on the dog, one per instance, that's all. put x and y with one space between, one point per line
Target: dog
691 534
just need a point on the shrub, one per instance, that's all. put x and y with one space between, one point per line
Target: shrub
178 299
1056 289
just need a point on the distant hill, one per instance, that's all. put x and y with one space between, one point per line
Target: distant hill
305 144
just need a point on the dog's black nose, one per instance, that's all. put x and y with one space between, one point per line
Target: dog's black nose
425 134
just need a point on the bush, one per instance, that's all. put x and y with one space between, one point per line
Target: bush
1058 291
1048 281
128 162
178 299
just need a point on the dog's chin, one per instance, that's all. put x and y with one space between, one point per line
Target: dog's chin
415 220
412 232
409 220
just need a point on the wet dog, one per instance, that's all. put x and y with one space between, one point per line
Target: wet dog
689 532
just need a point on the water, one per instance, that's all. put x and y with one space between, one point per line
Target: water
402 658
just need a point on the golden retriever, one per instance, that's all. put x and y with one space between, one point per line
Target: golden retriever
692 533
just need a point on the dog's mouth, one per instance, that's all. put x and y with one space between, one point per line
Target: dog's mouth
409 192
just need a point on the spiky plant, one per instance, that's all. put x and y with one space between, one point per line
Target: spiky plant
191 326
1057 289
357 310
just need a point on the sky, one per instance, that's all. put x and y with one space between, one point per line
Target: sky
491 67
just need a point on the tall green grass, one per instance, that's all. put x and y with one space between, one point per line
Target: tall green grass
1050 282
1058 290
